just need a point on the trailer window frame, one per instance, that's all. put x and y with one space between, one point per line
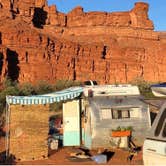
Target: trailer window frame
118 113
105 114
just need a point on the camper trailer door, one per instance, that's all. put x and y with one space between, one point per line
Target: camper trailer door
71 123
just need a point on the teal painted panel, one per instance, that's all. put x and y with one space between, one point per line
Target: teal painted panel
88 141
71 138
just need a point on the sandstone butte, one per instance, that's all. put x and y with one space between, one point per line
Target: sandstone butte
37 42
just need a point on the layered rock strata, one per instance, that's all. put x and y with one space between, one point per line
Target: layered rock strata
37 42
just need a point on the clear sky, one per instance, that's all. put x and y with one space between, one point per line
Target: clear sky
157 8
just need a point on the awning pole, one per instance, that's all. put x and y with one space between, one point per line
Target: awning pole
7 128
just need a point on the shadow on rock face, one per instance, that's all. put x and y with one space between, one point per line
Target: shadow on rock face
39 18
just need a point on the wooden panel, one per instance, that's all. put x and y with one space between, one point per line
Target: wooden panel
29 131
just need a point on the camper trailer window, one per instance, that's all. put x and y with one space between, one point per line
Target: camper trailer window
135 112
87 83
125 113
120 114
95 83
105 114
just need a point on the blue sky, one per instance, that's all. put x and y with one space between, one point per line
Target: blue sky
157 8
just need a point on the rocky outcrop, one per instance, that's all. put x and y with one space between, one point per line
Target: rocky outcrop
37 42
137 17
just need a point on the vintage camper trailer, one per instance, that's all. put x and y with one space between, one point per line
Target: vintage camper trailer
104 114
90 121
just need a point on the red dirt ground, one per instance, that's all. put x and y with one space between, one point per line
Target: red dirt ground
60 157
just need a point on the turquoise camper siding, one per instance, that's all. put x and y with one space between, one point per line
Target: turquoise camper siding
72 138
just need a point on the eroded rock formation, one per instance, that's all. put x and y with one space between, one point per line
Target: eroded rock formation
37 42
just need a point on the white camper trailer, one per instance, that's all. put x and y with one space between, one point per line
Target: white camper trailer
104 114
106 108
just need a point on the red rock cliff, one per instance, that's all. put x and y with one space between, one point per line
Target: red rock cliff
37 42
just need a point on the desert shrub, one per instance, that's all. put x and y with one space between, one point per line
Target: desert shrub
43 87
9 83
62 84
144 87
11 90
26 89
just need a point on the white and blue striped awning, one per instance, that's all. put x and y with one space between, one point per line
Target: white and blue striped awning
63 95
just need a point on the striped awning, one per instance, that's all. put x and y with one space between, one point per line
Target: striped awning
63 95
